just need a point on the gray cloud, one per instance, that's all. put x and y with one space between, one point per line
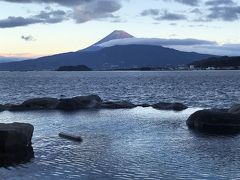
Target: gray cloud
219 2
225 13
96 10
27 38
60 2
170 16
82 11
160 15
150 12
187 2
43 17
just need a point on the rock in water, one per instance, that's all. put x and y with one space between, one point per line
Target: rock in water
235 109
36 104
70 137
170 106
15 136
2 107
216 122
80 102
118 105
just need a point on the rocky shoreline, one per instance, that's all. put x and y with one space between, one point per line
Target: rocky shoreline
84 102
15 138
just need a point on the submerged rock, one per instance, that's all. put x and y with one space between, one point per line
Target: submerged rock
212 121
170 106
235 109
15 136
80 102
35 104
118 105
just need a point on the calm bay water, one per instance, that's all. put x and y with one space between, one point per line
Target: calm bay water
140 143
196 89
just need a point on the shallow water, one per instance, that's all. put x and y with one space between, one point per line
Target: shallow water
140 143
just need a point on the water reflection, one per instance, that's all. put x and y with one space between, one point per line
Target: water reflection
8 159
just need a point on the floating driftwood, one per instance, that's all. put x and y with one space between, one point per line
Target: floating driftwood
70 137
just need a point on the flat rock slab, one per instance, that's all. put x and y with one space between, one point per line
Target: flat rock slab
212 121
170 106
80 102
15 136
118 105
45 103
70 137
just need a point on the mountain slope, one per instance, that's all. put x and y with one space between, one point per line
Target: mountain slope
126 56
224 61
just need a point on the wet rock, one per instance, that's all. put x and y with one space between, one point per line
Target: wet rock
212 121
235 109
2 107
170 106
15 136
144 105
35 104
118 105
80 102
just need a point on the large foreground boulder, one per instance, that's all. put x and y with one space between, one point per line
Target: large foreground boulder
170 106
80 102
35 104
235 109
15 137
212 121
118 105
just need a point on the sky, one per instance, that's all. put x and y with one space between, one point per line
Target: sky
34 28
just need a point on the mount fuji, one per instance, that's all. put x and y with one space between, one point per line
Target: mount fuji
111 53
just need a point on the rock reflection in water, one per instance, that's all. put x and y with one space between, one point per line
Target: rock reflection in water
23 156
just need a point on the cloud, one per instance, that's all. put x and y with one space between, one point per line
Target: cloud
170 16
96 10
45 17
157 42
160 15
219 2
188 45
225 13
82 10
150 12
27 38
187 2
60 2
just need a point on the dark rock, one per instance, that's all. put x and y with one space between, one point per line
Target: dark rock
15 136
211 121
35 104
81 102
118 105
70 137
170 106
2 108
144 105
235 109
